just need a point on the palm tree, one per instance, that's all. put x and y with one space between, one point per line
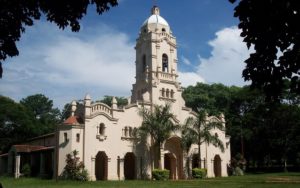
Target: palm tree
158 125
187 140
198 130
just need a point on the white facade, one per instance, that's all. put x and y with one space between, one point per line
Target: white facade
103 134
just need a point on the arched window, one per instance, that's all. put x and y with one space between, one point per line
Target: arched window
130 131
165 63
167 93
102 129
144 63
65 137
77 137
172 94
163 30
163 92
126 132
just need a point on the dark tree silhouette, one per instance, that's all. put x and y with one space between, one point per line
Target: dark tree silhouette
16 14
272 27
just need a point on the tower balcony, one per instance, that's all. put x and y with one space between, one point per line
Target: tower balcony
166 76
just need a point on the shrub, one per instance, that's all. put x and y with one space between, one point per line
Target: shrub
199 173
158 174
74 170
26 170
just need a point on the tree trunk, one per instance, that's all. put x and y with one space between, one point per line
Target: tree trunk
159 157
199 155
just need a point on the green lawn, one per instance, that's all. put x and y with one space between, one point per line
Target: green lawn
262 180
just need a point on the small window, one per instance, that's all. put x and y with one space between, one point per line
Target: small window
102 129
77 137
163 30
163 92
65 137
167 93
172 94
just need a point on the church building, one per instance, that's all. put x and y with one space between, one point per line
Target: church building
103 135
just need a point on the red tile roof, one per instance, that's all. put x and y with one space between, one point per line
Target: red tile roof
73 120
27 148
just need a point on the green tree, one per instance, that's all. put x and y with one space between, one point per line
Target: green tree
214 98
16 123
271 27
158 125
74 170
46 117
121 101
199 130
15 15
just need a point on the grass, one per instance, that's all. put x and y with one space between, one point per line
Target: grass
285 180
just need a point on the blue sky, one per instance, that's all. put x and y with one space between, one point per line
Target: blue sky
99 59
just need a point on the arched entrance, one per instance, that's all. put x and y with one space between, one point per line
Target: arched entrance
101 166
173 146
217 166
129 166
170 164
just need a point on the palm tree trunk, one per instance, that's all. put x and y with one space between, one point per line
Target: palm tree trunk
199 155
159 157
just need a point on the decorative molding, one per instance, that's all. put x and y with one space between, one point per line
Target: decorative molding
101 137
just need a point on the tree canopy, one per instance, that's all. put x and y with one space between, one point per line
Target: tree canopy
272 28
265 133
15 15
33 116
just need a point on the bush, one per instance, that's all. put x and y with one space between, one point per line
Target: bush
26 170
199 173
158 174
74 170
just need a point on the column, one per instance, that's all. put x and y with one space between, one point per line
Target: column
17 166
162 158
92 175
122 177
42 164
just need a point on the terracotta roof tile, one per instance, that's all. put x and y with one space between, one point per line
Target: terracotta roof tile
27 148
73 120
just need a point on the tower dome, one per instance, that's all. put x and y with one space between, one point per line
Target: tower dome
155 18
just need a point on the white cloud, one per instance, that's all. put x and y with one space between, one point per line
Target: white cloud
189 78
65 65
225 65
185 60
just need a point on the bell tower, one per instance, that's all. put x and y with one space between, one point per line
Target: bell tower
156 62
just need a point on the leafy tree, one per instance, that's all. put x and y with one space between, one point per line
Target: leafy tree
15 15
214 98
46 117
74 170
158 125
272 28
16 123
199 129
121 101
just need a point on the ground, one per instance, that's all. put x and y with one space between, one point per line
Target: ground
259 180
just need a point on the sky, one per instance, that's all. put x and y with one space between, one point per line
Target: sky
100 59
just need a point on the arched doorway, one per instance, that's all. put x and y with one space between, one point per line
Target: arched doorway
173 146
129 166
170 164
217 166
101 166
